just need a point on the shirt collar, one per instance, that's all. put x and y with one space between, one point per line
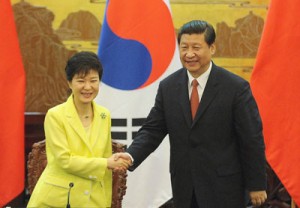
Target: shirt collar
202 79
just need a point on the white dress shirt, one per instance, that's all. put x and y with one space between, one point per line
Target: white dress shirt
202 80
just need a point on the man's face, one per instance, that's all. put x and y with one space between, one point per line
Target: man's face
195 53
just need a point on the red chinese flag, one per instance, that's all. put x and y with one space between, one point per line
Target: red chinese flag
12 93
275 83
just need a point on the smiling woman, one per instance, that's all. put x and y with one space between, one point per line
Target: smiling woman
84 72
85 88
78 143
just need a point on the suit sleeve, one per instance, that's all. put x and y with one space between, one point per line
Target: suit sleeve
151 133
248 126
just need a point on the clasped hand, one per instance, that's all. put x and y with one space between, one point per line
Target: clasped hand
119 162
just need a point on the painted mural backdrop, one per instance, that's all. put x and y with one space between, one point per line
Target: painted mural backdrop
51 31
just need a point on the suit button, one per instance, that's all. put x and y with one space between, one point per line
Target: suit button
86 192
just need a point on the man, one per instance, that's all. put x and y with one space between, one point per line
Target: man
217 155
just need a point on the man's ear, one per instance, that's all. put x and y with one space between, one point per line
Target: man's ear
212 49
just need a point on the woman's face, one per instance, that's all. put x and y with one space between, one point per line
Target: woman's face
85 87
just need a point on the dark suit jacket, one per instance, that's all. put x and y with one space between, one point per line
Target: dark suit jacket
220 154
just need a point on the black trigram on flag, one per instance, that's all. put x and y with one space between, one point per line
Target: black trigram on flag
125 128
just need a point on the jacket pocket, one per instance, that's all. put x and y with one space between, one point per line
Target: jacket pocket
54 192
227 171
56 181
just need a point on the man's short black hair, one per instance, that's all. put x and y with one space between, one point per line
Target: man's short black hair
198 27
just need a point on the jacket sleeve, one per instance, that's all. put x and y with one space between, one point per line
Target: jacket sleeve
248 125
151 134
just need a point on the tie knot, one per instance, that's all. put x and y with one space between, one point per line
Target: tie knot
195 83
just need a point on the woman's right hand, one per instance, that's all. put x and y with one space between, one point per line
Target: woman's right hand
119 164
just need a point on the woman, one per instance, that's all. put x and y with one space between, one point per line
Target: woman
78 144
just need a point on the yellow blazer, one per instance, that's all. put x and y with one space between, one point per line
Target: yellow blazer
73 157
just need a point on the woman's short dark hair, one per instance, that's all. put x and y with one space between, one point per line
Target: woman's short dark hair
82 63
198 27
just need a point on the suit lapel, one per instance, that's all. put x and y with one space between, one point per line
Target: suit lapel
75 123
209 94
183 94
97 128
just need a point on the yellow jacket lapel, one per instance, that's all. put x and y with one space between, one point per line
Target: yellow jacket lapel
74 121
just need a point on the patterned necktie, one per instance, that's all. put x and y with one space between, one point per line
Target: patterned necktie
194 98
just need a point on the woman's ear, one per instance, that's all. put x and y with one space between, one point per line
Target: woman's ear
70 85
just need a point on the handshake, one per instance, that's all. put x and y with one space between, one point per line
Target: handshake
119 162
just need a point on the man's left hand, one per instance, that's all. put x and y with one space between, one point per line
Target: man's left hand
258 197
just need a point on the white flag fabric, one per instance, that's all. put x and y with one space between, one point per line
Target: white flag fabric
138 49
